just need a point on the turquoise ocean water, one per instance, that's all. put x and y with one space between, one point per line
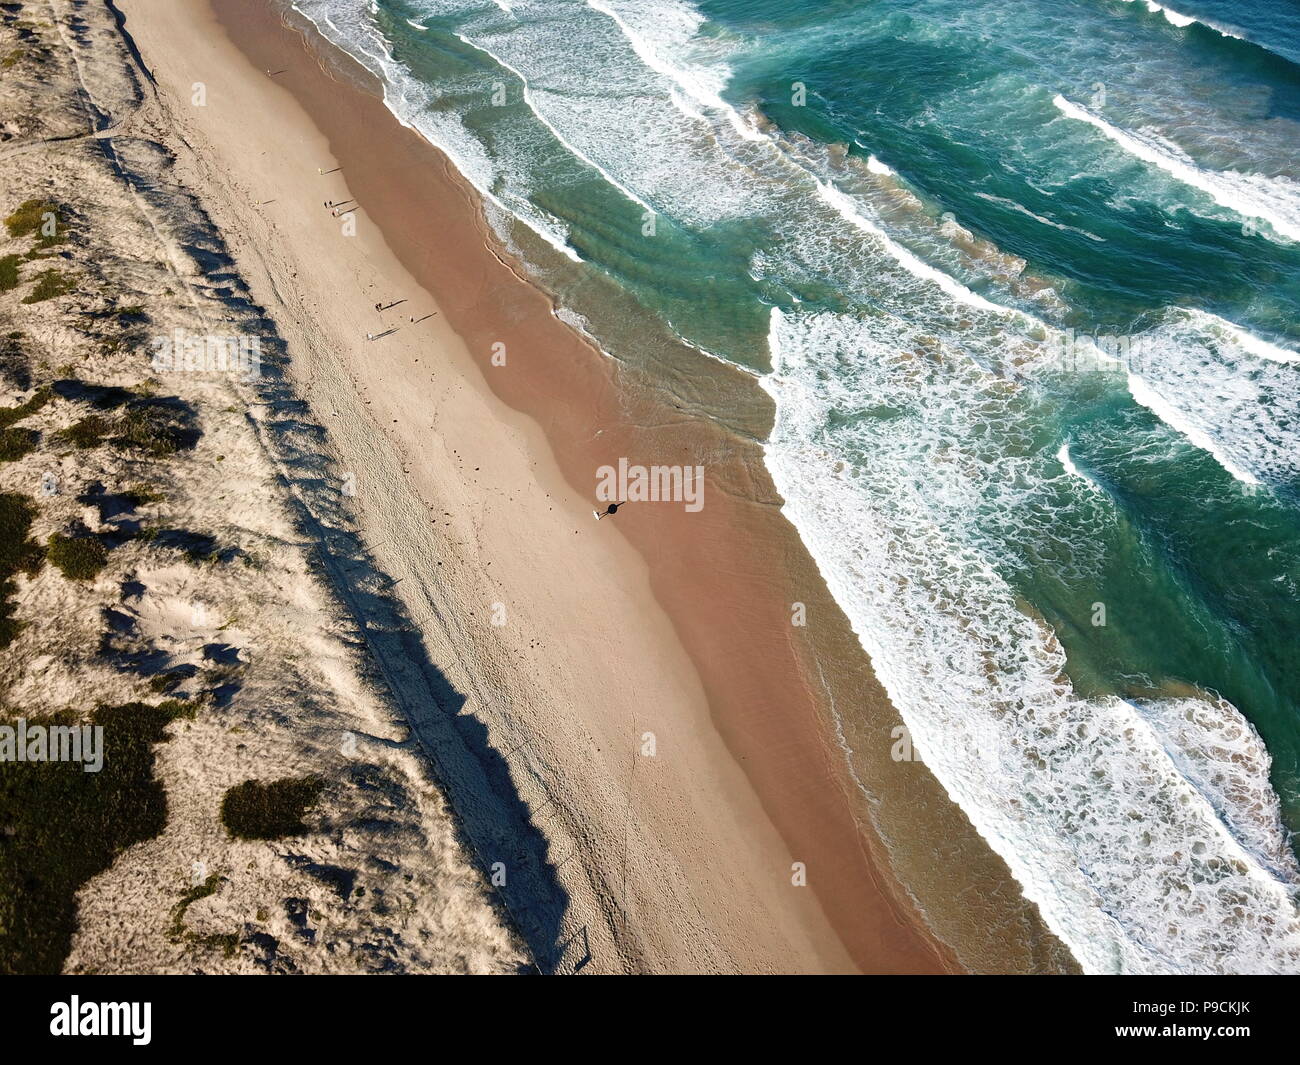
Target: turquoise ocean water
1023 279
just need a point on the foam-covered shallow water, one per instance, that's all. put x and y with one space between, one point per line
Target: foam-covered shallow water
1146 830
1023 280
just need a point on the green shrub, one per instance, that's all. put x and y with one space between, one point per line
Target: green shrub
199 891
88 432
18 554
140 494
15 443
10 415
29 218
78 558
50 284
9 272
152 429
166 682
254 810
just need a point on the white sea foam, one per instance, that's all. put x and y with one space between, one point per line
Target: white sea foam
1170 15
569 146
670 23
655 131
408 100
1273 200
1247 341
1183 21
1147 834
1226 391
1065 459
640 62
1020 208
1218 752
848 210
1202 377
1173 416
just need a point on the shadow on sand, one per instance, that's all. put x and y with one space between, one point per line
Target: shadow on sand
493 820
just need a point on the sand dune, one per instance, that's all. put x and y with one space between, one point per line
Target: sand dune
211 595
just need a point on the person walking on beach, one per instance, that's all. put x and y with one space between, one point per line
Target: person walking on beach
611 509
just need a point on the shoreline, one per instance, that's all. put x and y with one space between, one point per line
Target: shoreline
745 723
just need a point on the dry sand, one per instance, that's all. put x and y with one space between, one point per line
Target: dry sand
471 485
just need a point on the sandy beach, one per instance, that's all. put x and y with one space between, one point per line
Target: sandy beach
647 487
644 751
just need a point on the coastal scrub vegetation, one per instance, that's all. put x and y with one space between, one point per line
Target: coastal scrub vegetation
155 428
9 271
163 683
15 443
18 554
141 494
50 284
158 427
10 415
272 810
61 826
79 558
32 217
199 891
89 431
226 943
